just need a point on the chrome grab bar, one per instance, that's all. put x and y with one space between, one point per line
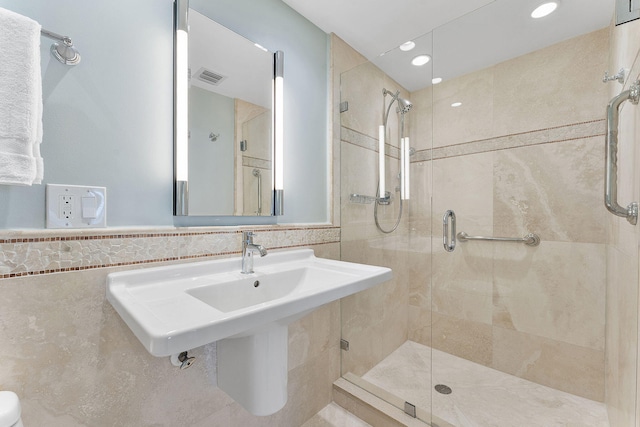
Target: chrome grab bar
530 239
611 153
449 239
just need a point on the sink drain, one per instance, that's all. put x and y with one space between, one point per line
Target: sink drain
443 389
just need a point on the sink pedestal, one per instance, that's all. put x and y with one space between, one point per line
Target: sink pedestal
252 369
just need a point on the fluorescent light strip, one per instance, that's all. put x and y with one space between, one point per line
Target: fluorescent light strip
279 138
182 106
403 169
407 169
381 168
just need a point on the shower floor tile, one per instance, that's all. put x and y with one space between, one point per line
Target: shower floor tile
333 415
481 396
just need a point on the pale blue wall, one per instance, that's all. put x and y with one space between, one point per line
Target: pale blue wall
109 120
211 161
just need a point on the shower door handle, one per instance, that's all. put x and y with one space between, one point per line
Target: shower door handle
611 165
449 231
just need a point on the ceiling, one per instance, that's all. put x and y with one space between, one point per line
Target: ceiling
461 36
247 69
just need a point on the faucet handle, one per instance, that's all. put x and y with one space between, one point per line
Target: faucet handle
247 236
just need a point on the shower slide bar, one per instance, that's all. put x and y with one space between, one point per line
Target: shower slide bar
611 152
530 239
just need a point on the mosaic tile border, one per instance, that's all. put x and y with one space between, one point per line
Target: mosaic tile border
27 253
361 140
583 130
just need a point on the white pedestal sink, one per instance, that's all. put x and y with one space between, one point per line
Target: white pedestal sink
179 307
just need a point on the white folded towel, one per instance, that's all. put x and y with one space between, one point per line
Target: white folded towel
20 100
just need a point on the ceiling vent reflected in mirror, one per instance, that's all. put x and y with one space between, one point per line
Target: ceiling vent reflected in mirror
210 77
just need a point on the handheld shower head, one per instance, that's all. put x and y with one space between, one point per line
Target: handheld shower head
404 105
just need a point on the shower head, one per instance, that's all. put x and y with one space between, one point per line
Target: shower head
404 105
65 52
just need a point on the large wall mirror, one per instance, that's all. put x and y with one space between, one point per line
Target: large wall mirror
227 118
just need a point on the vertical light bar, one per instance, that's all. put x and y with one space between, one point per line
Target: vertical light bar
182 105
402 168
381 168
406 175
181 108
278 133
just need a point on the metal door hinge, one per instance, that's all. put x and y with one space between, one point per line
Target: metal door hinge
410 409
344 106
344 345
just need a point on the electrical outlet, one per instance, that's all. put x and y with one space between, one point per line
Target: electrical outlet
66 205
75 206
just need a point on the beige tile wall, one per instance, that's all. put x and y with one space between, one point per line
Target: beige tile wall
621 354
74 362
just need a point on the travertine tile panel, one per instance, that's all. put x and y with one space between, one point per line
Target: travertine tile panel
313 334
574 369
463 282
553 190
419 206
473 119
463 338
555 290
464 184
531 94
420 325
621 351
109 378
375 321
365 105
421 126
344 57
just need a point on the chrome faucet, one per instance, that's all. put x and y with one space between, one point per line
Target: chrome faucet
248 248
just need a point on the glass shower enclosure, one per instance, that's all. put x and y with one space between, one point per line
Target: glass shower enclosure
474 331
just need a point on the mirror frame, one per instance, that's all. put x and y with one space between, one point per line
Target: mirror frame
181 118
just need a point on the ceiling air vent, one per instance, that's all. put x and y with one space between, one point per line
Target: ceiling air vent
210 77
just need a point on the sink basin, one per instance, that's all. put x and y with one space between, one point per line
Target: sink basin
183 306
179 307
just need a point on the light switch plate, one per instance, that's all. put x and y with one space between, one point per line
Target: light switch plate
66 205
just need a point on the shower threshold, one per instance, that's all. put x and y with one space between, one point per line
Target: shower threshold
479 397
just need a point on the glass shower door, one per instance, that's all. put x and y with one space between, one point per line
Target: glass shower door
522 334
381 323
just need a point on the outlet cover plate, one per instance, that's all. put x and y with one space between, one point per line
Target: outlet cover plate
65 203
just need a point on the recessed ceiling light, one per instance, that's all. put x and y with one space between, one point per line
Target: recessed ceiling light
456 104
436 80
407 46
420 60
544 9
